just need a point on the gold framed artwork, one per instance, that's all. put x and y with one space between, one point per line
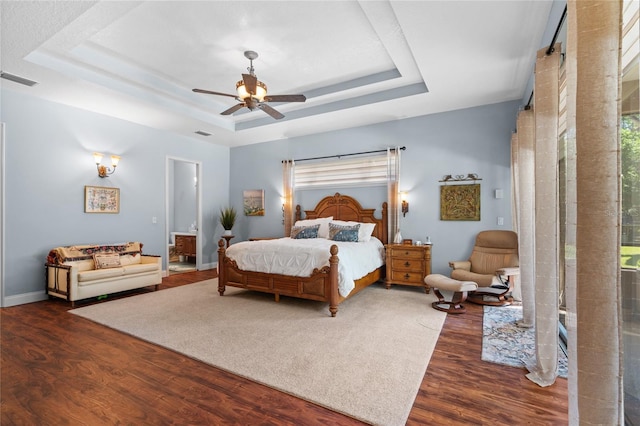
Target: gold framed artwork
460 202
253 202
101 199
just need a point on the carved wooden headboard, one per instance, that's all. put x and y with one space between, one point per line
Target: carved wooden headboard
343 207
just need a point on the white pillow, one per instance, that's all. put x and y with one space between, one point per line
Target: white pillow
323 232
365 231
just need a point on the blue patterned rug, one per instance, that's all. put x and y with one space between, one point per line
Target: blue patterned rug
503 342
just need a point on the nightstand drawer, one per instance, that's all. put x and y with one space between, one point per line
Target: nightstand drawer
407 252
407 277
407 264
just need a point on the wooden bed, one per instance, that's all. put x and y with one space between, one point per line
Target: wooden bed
322 285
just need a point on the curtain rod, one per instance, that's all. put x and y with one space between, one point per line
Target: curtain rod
402 148
555 36
551 49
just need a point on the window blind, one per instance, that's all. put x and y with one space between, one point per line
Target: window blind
361 171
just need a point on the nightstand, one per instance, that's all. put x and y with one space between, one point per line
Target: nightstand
408 265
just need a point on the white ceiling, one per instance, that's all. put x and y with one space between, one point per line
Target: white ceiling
357 62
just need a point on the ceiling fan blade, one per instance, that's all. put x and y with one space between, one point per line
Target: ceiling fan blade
233 109
272 112
250 83
285 98
209 92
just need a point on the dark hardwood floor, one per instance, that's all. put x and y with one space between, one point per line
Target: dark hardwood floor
61 369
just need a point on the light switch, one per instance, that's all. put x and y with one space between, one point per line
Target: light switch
154 219
500 220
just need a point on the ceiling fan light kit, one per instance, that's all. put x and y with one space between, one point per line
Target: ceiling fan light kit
252 93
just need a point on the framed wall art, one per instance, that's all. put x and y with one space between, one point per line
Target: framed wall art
253 202
101 199
460 202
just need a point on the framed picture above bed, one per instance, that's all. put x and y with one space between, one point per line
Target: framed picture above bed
253 202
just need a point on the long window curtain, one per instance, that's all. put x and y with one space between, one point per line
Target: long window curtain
515 201
598 288
543 370
288 183
570 213
526 216
515 190
393 191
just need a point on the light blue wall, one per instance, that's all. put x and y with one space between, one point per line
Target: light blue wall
475 140
48 163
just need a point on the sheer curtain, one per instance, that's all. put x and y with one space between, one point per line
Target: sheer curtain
598 292
288 190
543 370
570 211
393 191
526 215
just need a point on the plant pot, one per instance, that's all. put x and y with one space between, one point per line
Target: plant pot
227 232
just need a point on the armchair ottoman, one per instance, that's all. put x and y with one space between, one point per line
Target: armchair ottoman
460 290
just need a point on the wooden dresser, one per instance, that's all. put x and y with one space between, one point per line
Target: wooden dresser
186 245
408 265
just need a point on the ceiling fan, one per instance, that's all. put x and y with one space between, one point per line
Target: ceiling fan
252 93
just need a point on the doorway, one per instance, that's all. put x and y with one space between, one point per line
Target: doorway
183 212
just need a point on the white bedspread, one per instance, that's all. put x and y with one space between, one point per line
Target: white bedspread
299 258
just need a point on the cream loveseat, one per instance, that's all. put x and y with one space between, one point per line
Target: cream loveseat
84 271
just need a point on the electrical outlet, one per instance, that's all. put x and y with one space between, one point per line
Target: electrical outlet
500 221
154 219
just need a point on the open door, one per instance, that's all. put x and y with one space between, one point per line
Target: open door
183 216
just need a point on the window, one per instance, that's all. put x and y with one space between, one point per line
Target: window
360 171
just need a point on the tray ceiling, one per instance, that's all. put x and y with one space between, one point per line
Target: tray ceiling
357 63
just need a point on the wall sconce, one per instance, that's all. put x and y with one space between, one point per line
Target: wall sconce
104 171
405 203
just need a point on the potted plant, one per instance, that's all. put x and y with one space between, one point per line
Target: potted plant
227 219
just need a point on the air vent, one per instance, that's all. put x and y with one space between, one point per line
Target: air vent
200 132
16 79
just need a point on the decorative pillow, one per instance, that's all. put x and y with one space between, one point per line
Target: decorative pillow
106 260
323 232
365 231
304 232
343 232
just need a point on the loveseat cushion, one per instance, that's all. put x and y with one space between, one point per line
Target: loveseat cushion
139 268
97 274
130 259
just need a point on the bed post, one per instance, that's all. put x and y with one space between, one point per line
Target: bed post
385 223
333 280
221 269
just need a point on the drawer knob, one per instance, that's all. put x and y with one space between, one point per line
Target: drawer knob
407 276
407 263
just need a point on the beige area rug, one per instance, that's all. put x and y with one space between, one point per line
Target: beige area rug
368 362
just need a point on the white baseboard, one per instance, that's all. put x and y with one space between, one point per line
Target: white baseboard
21 299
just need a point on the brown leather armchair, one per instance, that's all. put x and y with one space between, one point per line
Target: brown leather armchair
493 265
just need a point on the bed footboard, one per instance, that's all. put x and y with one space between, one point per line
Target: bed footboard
322 285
